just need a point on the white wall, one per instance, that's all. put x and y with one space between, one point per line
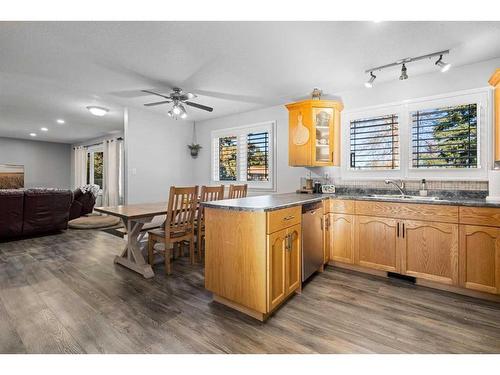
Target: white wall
46 164
156 155
288 178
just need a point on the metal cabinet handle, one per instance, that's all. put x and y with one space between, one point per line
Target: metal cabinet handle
398 231
403 230
289 217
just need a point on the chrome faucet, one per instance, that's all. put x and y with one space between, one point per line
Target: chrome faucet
400 186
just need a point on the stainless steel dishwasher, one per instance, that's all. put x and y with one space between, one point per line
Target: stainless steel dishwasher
312 239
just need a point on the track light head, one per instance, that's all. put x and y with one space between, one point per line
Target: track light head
403 73
443 65
369 83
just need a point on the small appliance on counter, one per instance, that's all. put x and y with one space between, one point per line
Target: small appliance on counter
328 189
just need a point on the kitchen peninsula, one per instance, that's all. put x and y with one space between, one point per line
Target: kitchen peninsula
253 245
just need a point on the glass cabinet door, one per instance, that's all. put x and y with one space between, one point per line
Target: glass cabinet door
323 123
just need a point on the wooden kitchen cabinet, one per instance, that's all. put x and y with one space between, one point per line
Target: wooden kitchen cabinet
494 81
429 250
341 237
283 264
479 260
376 243
314 133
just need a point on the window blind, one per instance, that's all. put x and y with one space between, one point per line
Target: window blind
375 143
445 137
257 145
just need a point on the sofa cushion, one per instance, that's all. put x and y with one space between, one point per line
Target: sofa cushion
46 210
11 212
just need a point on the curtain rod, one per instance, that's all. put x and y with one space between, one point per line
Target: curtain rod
97 144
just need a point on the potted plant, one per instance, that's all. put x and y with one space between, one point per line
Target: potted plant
194 148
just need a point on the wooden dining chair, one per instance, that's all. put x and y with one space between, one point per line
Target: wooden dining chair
237 191
179 226
207 194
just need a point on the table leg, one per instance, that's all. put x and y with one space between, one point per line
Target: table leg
131 256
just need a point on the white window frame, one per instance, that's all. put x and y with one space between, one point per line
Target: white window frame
91 150
481 97
241 132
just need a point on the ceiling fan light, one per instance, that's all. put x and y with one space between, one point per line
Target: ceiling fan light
170 113
369 83
443 65
97 111
176 110
403 75
183 115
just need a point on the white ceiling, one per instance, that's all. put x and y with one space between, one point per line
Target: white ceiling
51 70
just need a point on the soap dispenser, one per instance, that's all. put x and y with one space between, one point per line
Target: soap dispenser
423 188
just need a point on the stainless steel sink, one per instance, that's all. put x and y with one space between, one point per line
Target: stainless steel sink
404 197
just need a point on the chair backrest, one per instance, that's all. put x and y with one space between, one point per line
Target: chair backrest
182 203
237 191
207 194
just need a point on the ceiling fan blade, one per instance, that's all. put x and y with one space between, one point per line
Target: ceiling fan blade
155 93
199 106
157 103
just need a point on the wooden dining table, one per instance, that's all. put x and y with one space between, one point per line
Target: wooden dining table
134 216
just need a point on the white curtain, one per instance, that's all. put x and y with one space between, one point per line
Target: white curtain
112 175
80 166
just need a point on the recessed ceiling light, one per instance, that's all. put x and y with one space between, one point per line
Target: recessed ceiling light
32 134
97 111
60 121
44 129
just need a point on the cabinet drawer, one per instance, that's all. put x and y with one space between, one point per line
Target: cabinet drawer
480 216
413 211
283 218
339 206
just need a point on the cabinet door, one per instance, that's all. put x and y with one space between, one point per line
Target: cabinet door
342 238
276 267
293 260
322 118
479 258
376 243
299 153
430 251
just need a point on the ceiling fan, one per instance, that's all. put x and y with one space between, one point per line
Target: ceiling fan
179 98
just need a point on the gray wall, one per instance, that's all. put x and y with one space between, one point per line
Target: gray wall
46 164
156 155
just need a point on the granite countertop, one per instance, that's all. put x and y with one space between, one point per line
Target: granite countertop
278 201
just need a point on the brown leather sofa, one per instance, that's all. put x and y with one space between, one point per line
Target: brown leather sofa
83 204
26 212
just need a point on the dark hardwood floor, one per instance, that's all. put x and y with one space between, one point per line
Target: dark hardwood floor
63 294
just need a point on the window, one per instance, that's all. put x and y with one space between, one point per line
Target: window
95 166
228 147
374 143
258 156
244 155
445 137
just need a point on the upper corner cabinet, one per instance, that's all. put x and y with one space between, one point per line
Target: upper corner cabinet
314 133
495 82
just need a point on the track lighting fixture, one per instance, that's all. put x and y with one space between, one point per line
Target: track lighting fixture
444 66
369 83
403 73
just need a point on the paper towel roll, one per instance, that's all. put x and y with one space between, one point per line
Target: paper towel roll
494 185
